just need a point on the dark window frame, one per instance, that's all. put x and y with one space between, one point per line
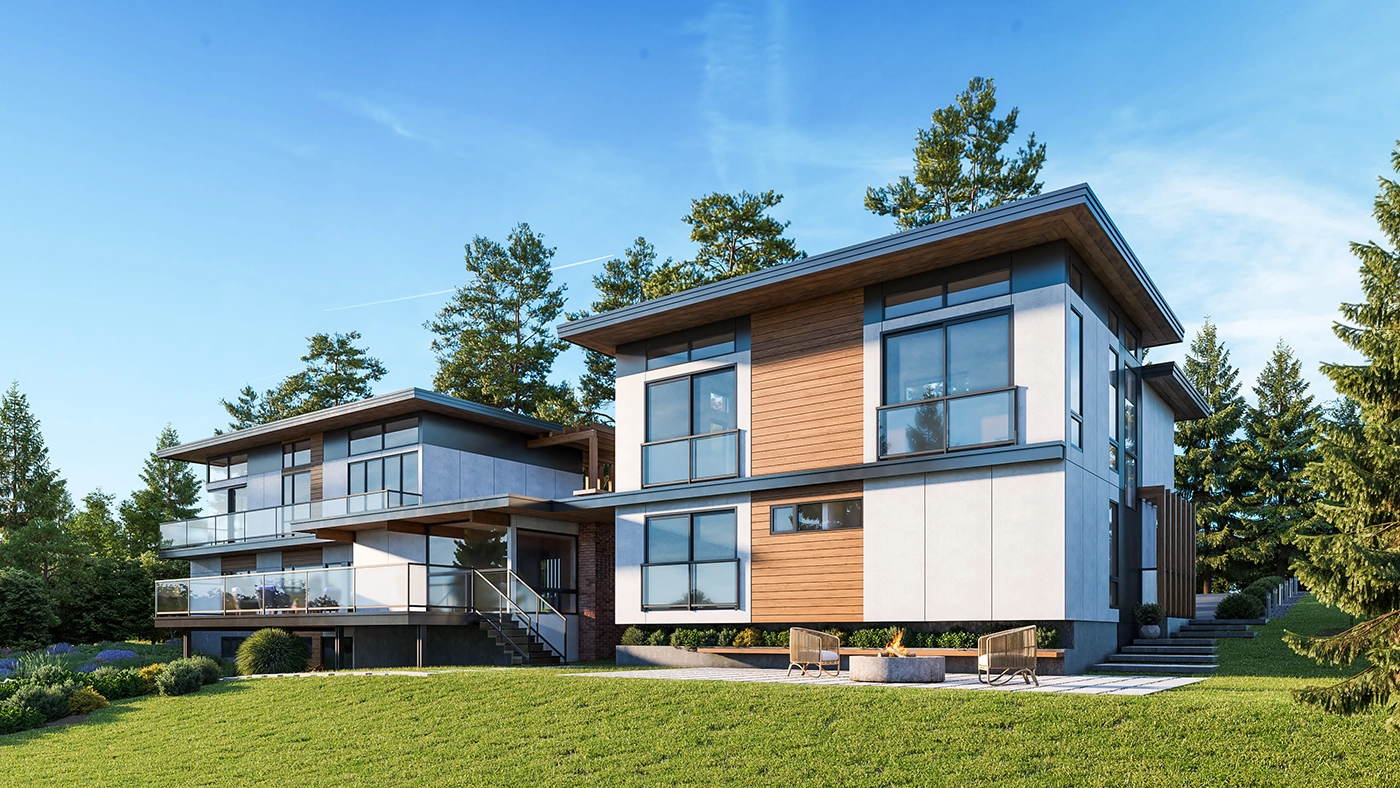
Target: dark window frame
1076 376
227 463
690 597
795 505
1115 521
688 336
689 439
291 450
557 602
944 283
390 493
384 431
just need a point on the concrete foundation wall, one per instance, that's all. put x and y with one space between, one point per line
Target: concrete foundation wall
1092 642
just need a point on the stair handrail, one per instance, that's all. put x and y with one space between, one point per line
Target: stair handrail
532 622
501 631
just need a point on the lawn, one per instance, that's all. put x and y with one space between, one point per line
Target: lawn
557 727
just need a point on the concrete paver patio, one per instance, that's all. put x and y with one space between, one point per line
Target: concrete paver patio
1076 685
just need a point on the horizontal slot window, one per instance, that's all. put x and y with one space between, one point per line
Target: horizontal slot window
391 435
815 516
224 468
716 339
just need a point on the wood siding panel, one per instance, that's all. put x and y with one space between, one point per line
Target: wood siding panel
807 388
808 577
304 557
242 562
1176 551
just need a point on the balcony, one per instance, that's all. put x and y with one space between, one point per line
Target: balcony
276 521
941 424
691 459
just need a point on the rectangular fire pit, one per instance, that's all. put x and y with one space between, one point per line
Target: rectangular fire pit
898 670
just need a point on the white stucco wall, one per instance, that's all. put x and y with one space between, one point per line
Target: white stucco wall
1086 544
1157 461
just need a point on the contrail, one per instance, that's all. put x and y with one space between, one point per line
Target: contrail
443 292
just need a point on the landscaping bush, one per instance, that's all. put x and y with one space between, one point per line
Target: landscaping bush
114 684
15 718
726 637
148 677
50 701
659 638
1047 637
50 674
871 638
688 639
9 688
778 639
211 668
1148 614
86 700
272 651
840 633
1240 606
749 637
634 636
706 638
180 677
957 638
1262 587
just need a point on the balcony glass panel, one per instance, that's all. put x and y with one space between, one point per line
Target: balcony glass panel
284 591
447 588
716 455
206 595
716 584
665 462
241 593
666 586
381 587
911 429
259 524
332 589
981 419
172 596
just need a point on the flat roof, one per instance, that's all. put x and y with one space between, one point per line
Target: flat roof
384 406
1073 214
1171 383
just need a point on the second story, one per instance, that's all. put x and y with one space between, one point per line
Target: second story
1021 329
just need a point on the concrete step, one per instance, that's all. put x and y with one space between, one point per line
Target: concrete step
1135 668
1213 622
1228 633
1216 626
1168 650
1162 659
1175 641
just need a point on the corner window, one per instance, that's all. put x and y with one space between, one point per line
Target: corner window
224 468
384 482
948 387
1076 379
716 339
692 561
692 429
295 455
816 516
402 432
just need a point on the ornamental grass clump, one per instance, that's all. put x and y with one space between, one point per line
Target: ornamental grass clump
86 700
272 651
180 677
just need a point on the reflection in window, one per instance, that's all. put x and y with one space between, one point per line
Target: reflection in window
933 291
296 454
473 546
224 468
395 476
390 435
817 516
700 408
976 288
548 563
1076 379
709 341
1114 406
691 561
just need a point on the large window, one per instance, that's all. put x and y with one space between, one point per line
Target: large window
224 468
709 341
383 482
692 429
933 291
390 435
947 387
295 455
692 561
816 516
1076 379
296 495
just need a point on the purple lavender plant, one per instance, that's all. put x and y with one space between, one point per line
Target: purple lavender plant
88 668
9 663
114 655
60 648
6 672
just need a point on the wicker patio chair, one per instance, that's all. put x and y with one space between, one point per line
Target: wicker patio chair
808 648
1002 656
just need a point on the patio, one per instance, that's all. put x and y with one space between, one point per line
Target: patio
1069 685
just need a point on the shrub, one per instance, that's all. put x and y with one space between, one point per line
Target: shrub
868 638
1148 614
659 638
50 701
634 636
86 700
1047 637
210 667
688 639
957 638
778 639
272 651
15 718
180 677
749 637
726 637
840 633
1240 606
706 638
148 677
26 609
49 675
9 688
114 684
33 662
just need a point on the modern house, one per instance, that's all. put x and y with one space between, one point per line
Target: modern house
951 425
954 425
411 528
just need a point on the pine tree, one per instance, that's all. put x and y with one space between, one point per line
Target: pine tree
337 372
170 492
958 166
1357 567
1280 440
29 489
737 236
622 283
1209 471
97 526
495 339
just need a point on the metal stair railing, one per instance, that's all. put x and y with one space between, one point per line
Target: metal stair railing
518 600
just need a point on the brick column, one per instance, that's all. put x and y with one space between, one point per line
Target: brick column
598 633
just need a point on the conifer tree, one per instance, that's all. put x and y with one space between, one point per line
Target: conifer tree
97 527
1357 567
170 492
1281 436
622 283
337 371
495 338
30 490
1209 471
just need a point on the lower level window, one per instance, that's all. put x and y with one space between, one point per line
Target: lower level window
818 516
1113 554
692 561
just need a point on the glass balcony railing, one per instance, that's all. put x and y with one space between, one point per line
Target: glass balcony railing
960 421
691 459
276 521
350 589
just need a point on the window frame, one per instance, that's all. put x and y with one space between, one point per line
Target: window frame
1115 526
389 492
1076 379
290 451
688 336
944 282
690 548
228 465
795 505
689 440
383 427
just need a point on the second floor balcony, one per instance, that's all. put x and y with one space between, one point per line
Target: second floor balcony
276 521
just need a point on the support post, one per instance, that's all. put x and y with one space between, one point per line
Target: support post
339 633
594 482
185 643
422 637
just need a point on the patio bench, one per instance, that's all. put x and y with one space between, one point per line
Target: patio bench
808 648
1002 656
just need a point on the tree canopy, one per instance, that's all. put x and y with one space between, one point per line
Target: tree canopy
170 491
622 283
958 163
337 372
30 490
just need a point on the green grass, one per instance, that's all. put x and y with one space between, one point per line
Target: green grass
559 727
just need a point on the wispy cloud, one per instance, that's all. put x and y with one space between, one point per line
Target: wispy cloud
364 108
450 290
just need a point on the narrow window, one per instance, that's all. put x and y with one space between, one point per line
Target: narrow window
1114 410
976 288
815 516
1132 385
1076 379
716 339
1113 554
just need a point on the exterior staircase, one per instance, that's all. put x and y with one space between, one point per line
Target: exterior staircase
517 642
1191 650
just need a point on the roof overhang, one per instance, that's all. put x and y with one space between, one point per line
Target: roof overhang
384 406
1073 215
493 510
1181 395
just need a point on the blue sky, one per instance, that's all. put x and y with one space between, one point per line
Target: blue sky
190 190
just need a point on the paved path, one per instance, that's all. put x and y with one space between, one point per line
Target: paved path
1069 685
1206 604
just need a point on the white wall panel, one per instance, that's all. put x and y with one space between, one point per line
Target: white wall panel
894 549
958 548
1039 360
1028 542
1158 459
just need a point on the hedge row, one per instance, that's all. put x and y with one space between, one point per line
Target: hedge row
693 638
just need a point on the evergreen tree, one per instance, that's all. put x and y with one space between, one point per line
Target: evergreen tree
622 283
337 372
1356 567
97 527
958 166
737 236
1209 470
495 339
45 548
170 491
1281 435
29 489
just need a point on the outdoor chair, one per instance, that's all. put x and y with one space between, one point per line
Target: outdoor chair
1002 656
808 648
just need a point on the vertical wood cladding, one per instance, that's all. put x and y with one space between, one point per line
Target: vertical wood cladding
808 576
807 390
318 454
1176 551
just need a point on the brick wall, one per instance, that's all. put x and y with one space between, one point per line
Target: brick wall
597 633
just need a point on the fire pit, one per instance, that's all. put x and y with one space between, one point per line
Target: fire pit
897 665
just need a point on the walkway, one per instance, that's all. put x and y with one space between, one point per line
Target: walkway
1068 685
